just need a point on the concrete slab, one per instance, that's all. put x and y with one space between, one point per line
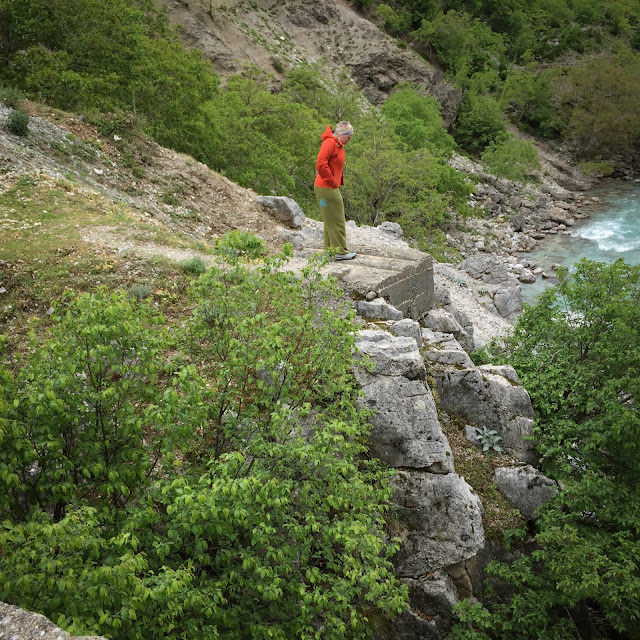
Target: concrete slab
385 265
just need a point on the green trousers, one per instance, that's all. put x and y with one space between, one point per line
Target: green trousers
332 208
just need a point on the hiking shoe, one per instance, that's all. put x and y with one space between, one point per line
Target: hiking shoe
345 256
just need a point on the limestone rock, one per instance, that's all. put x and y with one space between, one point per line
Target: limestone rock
284 209
442 321
392 356
444 349
443 521
487 269
378 309
525 488
406 431
391 227
19 624
407 328
508 302
491 397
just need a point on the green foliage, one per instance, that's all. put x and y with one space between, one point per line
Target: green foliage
464 44
193 265
240 243
528 100
18 122
601 98
577 353
480 122
489 439
139 291
388 181
417 121
394 22
80 405
511 158
11 96
597 167
264 517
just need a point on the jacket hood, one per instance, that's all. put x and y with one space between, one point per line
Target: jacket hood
328 133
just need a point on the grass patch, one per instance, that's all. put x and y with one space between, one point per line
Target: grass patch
43 253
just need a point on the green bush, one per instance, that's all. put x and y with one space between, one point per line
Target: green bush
480 122
11 96
577 352
139 291
269 522
18 122
79 409
193 265
511 158
240 243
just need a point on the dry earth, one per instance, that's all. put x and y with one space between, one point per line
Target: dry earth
158 186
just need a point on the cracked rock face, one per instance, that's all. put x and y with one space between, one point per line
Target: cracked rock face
437 516
406 431
442 521
491 397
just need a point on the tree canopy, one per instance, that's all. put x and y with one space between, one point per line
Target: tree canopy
204 480
578 354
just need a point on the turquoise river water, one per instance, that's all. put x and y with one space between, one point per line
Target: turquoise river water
611 232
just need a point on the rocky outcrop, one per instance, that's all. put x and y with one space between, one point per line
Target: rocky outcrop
284 209
491 397
436 514
18 624
487 396
385 267
233 32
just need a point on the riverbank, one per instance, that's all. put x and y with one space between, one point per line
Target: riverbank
506 245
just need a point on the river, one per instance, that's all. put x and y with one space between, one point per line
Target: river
611 232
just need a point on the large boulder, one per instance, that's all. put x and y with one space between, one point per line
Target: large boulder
508 302
391 355
406 431
284 209
378 309
441 518
407 328
487 269
525 488
491 397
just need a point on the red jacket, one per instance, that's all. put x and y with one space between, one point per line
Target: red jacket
330 162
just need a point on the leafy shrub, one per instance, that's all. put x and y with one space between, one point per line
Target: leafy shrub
511 158
79 407
480 122
18 122
577 353
269 522
193 265
417 120
597 167
140 291
240 243
11 96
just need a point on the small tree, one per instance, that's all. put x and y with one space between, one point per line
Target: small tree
578 353
79 409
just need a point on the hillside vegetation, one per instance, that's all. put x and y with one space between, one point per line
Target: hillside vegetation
566 70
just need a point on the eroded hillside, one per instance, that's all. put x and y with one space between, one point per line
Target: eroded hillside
279 35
